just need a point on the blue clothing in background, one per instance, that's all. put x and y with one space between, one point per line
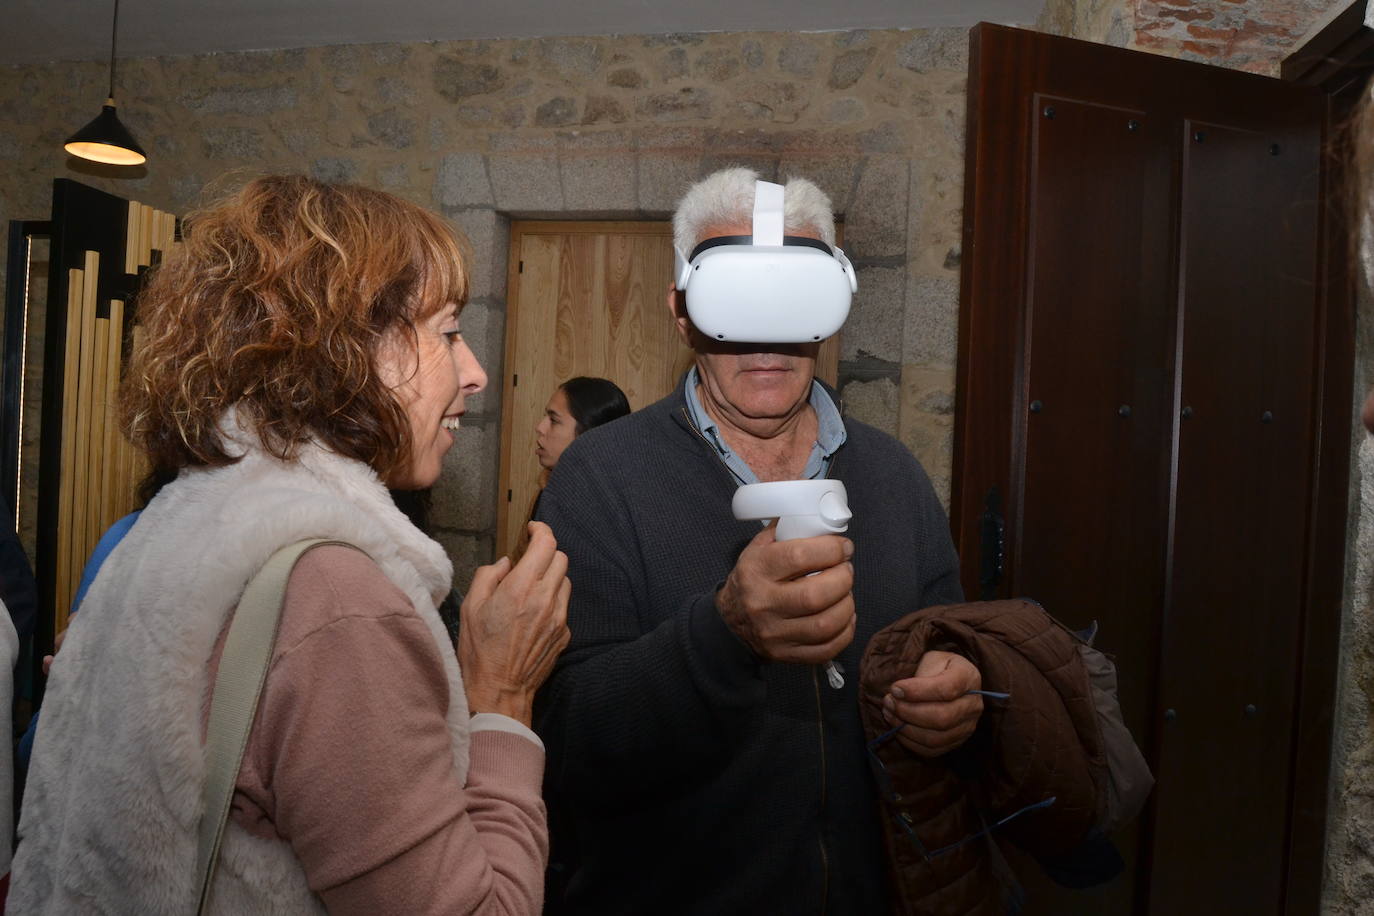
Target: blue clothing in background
17 587
112 536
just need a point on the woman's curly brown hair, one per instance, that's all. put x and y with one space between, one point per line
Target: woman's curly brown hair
276 302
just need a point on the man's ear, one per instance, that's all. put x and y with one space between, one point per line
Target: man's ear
677 308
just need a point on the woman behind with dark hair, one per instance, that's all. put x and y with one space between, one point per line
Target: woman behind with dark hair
301 354
577 405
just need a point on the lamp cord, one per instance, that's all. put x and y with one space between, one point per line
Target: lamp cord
114 37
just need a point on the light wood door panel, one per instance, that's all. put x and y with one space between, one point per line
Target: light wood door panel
585 299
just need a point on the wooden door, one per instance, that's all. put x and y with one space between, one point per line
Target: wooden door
1146 351
587 298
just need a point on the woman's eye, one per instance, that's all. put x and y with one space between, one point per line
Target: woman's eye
453 336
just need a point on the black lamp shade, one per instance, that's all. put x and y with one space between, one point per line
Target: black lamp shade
105 139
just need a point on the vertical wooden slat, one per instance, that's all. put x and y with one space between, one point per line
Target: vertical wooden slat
81 476
136 238
169 229
70 364
133 464
145 236
110 482
131 236
95 512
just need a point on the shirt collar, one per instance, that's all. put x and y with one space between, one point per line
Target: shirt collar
830 433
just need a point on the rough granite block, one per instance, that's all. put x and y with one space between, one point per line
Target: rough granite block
832 174
664 177
876 222
526 182
462 499
874 327
597 181
935 49
926 424
875 403
334 168
233 143
932 321
488 235
483 326
467 551
461 181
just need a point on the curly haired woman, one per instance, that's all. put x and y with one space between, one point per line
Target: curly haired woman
301 354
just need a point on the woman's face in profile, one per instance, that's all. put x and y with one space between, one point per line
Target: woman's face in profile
431 375
554 431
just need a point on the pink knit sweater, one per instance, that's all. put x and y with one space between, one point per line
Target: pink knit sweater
350 760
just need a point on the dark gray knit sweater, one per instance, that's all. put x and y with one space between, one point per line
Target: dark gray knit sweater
684 775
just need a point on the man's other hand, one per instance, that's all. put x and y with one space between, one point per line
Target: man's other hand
935 707
783 612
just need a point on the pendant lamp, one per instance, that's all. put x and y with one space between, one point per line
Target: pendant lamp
105 139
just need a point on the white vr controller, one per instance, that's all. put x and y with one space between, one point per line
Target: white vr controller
804 509
766 287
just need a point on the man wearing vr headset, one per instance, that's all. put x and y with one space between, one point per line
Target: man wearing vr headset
699 761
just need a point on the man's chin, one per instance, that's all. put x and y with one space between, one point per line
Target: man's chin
769 405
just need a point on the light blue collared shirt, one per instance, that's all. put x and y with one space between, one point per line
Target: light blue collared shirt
830 434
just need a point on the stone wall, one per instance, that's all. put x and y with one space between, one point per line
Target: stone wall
1110 22
607 127
1350 837
1252 35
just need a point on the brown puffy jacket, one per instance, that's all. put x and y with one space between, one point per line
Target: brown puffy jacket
1042 742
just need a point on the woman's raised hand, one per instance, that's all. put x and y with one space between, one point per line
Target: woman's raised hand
514 625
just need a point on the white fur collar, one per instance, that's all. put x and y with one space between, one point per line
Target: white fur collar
113 798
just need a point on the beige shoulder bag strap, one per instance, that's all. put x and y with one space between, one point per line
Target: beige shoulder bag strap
242 669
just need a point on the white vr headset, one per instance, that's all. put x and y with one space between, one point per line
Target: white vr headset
766 288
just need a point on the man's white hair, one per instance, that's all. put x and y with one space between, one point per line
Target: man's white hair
726 198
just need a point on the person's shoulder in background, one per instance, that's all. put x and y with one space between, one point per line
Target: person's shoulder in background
18 590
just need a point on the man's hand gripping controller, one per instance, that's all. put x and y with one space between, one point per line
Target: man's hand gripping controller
804 509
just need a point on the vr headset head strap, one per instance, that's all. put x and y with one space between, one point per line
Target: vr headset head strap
767 213
788 241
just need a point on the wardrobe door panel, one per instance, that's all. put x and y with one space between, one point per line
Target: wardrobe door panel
1233 622
1090 530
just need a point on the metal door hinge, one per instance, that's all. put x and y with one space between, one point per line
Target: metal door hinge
993 545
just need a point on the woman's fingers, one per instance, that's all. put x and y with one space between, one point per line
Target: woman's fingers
485 581
538 554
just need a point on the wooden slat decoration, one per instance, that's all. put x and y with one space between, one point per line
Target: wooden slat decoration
100 469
